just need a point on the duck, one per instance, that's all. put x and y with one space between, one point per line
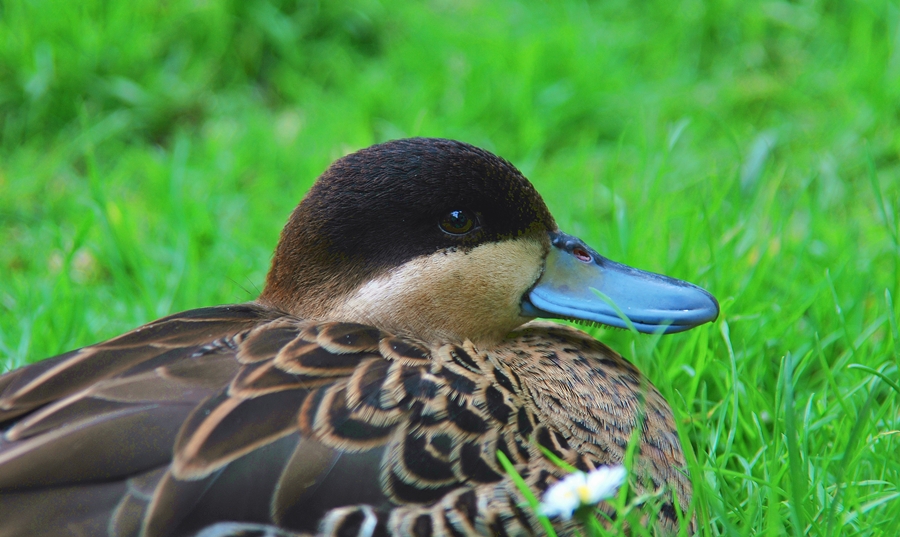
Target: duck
393 356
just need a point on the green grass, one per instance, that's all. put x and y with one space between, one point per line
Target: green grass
151 151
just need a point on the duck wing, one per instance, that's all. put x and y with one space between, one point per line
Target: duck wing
79 430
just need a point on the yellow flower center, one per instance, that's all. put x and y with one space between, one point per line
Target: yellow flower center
584 494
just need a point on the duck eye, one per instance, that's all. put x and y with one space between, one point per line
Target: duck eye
457 222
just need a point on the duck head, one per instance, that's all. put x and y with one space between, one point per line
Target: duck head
441 241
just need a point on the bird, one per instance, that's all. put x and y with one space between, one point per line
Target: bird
395 354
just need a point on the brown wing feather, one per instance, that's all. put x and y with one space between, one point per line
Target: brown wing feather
234 414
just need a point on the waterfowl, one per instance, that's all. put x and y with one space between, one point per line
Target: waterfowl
368 390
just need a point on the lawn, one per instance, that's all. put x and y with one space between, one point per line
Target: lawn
151 151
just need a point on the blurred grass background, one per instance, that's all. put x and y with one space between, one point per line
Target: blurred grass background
151 151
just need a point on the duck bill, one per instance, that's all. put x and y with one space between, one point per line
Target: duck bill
580 284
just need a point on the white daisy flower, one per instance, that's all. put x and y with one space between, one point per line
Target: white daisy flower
575 490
